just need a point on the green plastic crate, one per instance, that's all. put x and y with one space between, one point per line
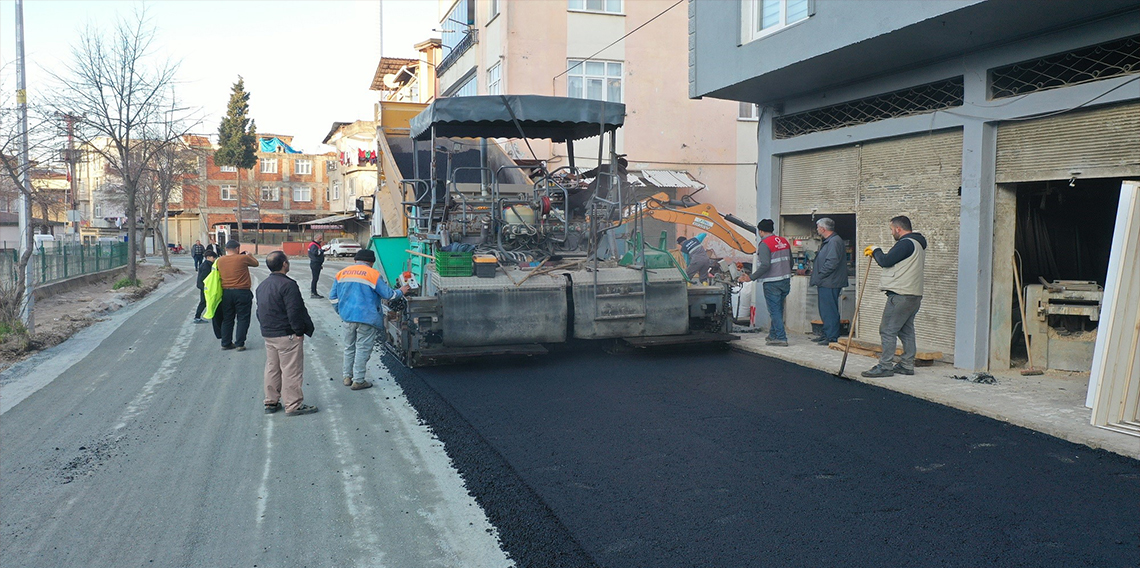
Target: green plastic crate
454 263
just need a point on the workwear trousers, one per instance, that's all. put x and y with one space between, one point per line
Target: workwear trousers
284 367
316 270
236 308
775 294
359 340
898 324
829 312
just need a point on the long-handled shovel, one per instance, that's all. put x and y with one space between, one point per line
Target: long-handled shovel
854 318
1021 306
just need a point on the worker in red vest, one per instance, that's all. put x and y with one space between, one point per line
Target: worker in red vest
773 270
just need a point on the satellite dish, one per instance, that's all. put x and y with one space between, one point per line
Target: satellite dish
390 81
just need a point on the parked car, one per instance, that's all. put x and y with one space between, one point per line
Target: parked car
341 247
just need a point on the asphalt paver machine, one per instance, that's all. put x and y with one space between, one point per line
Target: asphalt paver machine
562 254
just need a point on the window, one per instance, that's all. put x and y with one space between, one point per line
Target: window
229 169
749 111
269 166
607 6
229 193
466 89
598 80
456 26
351 186
494 78
335 191
98 209
303 167
762 17
494 10
270 193
302 194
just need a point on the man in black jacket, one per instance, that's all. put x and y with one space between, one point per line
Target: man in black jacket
203 271
316 261
284 324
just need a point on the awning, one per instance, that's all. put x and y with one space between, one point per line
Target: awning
502 116
664 178
328 220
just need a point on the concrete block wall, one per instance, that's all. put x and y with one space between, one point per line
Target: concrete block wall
917 176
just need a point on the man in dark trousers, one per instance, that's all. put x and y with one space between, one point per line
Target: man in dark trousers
203 272
197 252
316 261
774 271
237 299
902 281
284 324
829 274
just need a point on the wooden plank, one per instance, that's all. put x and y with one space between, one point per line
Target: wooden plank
876 348
874 354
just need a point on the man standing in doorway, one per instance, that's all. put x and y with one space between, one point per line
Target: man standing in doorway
197 252
284 324
902 281
316 262
774 271
829 275
356 294
237 299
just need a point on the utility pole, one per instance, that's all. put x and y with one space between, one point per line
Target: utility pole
27 242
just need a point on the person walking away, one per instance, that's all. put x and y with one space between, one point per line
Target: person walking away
237 299
198 252
203 271
356 295
697 257
902 281
774 271
316 262
284 324
829 275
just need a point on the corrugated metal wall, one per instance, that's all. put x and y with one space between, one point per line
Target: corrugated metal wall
917 176
1101 142
822 180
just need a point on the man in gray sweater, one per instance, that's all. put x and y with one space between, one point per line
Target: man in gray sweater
829 275
902 281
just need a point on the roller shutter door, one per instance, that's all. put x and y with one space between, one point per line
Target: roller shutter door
1097 143
917 176
823 181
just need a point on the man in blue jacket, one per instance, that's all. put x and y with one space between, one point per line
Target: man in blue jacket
829 275
356 294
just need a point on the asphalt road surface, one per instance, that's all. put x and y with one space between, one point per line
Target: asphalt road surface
141 443
675 459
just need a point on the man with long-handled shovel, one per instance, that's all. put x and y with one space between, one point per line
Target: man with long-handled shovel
902 281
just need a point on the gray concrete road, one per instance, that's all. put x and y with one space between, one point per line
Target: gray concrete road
141 443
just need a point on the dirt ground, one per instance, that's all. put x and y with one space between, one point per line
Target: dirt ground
61 316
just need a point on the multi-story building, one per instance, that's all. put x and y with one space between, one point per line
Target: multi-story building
1000 128
352 177
623 51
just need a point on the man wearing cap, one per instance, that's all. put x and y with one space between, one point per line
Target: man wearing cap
356 295
697 258
237 299
773 270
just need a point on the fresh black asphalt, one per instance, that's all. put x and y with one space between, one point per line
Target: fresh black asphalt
715 458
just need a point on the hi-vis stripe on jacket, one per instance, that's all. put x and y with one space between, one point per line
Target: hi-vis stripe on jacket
357 294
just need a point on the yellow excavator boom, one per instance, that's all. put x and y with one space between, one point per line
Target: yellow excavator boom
702 216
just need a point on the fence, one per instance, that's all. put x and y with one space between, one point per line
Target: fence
57 261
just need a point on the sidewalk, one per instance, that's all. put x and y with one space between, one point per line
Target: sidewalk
1053 403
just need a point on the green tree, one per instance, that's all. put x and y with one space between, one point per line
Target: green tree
237 141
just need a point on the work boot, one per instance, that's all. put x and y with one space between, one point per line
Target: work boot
361 385
899 369
348 381
821 341
316 295
879 371
776 342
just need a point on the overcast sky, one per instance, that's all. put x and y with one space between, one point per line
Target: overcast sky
306 63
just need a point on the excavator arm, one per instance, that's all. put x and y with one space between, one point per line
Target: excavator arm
700 215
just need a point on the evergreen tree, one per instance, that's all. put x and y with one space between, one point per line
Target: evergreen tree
237 141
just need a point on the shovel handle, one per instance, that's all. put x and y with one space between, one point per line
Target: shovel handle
855 316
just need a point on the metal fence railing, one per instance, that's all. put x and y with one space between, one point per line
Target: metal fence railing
57 261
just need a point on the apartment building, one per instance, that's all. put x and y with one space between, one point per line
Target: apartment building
625 51
1001 128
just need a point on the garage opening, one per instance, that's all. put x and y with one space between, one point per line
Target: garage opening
1062 238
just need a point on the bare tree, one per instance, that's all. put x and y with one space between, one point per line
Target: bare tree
124 95
172 165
